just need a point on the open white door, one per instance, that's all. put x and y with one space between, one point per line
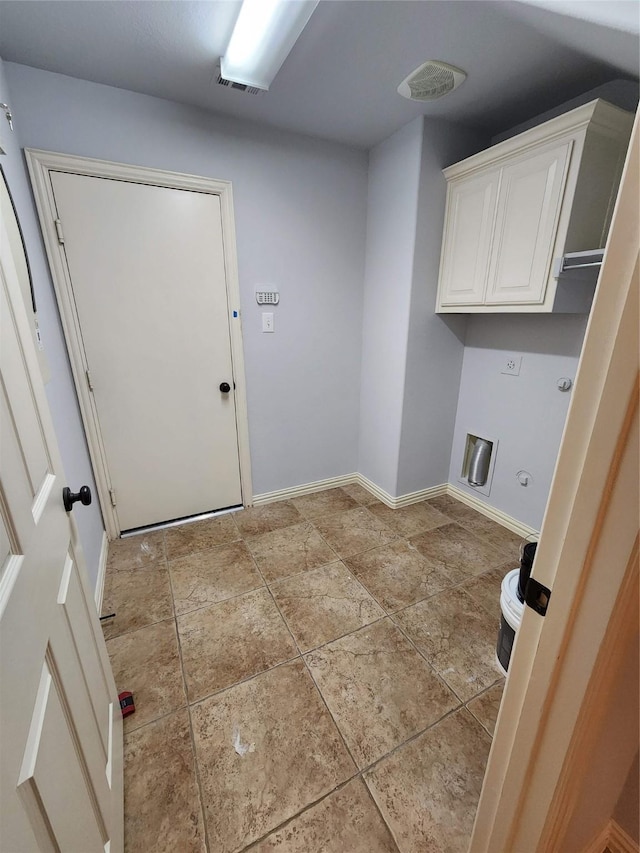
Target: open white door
60 720
565 665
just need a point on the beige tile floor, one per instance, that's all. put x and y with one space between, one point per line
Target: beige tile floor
311 675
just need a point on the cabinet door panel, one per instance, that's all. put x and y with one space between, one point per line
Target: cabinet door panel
471 206
531 194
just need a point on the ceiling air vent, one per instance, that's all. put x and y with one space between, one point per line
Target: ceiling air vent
431 80
241 87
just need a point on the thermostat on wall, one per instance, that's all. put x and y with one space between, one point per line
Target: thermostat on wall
267 296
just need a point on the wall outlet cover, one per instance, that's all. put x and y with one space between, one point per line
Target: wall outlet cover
511 365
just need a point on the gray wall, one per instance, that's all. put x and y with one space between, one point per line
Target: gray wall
525 413
394 173
411 358
300 208
434 342
60 389
620 93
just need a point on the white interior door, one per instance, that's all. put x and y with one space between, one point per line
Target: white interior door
60 720
147 269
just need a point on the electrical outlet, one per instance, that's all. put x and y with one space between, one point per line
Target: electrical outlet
511 365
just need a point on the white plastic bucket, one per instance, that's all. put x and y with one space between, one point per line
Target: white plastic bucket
511 608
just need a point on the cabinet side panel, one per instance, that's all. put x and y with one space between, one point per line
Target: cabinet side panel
596 191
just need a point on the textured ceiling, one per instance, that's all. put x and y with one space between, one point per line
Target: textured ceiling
340 80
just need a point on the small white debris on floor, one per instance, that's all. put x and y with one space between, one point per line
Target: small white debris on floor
242 748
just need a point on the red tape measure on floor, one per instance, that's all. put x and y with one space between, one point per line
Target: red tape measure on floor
127 705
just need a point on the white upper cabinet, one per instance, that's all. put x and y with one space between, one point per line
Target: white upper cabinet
513 209
528 212
470 214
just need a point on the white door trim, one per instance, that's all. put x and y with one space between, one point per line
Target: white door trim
40 163
585 554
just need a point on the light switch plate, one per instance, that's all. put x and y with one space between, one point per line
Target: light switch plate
267 321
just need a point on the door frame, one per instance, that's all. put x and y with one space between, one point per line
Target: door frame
561 664
40 164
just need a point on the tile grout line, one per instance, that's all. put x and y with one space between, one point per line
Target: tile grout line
139 628
244 680
456 585
427 661
293 817
482 693
221 601
382 817
313 519
400 538
158 719
410 739
386 615
196 763
322 699
359 775
440 677
286 578
301 656
340 559
342 636
337 728
390 614
356 765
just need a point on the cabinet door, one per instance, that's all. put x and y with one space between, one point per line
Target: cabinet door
529 205
471 207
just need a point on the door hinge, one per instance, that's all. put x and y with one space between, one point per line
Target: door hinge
89 382
537 596
112 495
59 231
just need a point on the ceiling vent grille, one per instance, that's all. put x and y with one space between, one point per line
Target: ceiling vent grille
431 80
241 87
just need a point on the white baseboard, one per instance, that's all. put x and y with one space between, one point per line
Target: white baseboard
346 480
102 571
305 489
400 501
491 512
619 841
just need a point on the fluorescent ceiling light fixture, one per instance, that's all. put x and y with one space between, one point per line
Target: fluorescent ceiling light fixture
262 38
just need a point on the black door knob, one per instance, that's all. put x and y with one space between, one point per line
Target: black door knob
225 387
69 498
